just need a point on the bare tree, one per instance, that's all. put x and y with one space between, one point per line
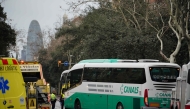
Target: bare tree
20 42
178 21
2 1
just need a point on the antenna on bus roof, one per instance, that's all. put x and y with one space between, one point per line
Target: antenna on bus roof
148 60
126 60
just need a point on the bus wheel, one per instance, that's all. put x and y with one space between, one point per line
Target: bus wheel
77 104
119 106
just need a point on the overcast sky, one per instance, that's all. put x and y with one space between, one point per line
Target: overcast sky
46 12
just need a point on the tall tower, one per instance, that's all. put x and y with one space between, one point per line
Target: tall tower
34 41
65 18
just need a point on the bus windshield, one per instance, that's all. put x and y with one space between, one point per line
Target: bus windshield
63 82
164 74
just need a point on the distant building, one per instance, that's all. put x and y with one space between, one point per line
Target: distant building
23 53
34 41
65 18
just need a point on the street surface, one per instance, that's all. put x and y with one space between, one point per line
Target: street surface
57 105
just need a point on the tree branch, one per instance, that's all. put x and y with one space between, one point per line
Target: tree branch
187 20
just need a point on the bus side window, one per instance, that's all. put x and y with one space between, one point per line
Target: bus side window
75 77
108 74
113 75
141 76
91 74
87 74
128 75
120 78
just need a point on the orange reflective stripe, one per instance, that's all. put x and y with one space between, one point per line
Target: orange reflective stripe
14 62
5 62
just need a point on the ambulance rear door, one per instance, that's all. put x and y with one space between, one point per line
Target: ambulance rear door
2 96
14 91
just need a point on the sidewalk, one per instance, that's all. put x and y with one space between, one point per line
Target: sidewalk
57 104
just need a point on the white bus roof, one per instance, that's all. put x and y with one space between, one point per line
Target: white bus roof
64 72
124 65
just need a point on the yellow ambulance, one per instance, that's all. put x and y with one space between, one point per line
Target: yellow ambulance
12 86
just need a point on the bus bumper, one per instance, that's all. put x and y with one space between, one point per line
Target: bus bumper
152 108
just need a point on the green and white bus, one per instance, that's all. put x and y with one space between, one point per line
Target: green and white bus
120 84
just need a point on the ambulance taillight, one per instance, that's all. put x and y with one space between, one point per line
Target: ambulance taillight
146 97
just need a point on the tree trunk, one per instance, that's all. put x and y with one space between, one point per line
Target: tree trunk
173 55
172 58
188 44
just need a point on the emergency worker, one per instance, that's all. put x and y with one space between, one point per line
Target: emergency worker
53 99
62 100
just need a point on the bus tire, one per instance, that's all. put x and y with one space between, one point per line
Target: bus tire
77 104
119 106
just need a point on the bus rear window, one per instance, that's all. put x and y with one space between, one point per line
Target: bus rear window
164 74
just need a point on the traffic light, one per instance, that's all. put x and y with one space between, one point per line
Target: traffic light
59 63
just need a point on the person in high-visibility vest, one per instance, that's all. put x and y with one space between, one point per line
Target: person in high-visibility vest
53 100
62 100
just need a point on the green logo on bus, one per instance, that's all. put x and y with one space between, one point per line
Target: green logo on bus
163 95
129 89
